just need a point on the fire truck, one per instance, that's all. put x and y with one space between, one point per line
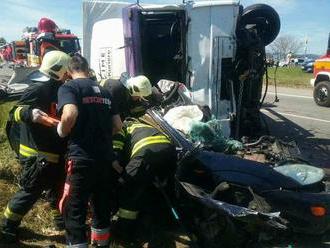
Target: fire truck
321 80
48 37
19 52
36 41
26 54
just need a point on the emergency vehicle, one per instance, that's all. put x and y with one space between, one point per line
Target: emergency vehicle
29 51
49 37
19 52
321 80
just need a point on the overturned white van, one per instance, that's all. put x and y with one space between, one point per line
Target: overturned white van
216 48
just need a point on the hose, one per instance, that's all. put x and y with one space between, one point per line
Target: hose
266 89
262 138
275 82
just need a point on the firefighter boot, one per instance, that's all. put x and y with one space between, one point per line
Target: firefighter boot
9 232
100 237
124 234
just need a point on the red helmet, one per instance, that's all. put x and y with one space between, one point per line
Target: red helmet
46 25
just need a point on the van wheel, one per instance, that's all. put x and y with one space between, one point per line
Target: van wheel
265 19
322 94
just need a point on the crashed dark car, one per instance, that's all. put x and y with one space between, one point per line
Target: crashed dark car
226 200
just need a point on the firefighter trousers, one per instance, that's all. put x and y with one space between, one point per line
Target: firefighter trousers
141 172
86 181
25 197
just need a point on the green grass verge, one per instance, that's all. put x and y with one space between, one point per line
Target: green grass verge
290 77
7 156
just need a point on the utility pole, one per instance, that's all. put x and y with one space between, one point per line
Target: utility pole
306 42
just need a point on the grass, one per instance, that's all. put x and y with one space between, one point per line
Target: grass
8 163
290 77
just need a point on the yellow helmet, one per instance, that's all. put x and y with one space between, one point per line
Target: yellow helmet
139 86
55 64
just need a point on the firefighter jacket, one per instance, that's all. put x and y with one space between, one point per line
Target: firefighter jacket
135 139
34 138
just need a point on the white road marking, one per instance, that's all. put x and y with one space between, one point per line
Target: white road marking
283 94
299 116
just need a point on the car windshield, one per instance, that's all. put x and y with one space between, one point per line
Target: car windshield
302 173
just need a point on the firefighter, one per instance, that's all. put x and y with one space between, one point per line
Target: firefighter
133 95
148 154
39 148
89 117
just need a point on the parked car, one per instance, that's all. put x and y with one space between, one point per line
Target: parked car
299 61
283 63
308 65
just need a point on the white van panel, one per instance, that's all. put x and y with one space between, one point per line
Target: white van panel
107 48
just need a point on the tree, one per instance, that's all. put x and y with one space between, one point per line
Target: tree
2 41
285 44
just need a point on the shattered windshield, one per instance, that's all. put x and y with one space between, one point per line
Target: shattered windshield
302 173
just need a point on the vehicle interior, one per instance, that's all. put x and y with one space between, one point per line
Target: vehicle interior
163 44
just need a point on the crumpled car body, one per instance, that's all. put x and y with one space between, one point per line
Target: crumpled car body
226 200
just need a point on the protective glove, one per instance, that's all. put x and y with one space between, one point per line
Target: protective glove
117 167
38 116
123 177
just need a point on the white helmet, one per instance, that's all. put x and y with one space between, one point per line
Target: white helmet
55 64
139 86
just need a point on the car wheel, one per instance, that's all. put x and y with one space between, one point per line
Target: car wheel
322 94
266 20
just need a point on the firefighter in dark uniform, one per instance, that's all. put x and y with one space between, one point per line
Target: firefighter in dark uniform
89 117
133 96
148 154
40 149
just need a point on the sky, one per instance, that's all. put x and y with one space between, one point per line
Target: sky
300 18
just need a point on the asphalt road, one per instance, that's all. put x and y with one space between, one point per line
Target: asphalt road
297 117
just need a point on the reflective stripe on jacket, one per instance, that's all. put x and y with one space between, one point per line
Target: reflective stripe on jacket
26 151
135 138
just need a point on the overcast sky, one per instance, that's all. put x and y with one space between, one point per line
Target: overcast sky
300 18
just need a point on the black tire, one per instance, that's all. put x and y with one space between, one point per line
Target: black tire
265 18
321 94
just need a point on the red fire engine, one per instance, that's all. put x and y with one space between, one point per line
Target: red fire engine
321 80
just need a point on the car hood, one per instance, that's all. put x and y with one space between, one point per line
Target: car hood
259 176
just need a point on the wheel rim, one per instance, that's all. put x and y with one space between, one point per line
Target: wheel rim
322 94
